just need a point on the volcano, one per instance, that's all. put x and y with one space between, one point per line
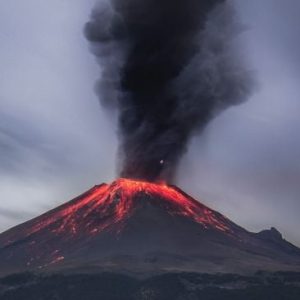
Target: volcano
135 226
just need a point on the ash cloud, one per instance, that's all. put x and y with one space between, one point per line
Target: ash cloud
168 67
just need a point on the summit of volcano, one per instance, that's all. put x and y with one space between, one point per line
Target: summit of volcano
141 227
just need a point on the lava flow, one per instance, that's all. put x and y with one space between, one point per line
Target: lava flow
106 205
130 224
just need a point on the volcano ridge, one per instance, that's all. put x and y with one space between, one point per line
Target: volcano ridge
137 226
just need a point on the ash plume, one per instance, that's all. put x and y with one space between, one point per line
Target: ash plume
169 67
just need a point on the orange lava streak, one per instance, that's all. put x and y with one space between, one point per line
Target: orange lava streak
67 212
186 205
106 205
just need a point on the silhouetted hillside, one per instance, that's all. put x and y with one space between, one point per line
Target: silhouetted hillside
172 286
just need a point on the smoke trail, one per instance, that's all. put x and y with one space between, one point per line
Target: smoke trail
169 67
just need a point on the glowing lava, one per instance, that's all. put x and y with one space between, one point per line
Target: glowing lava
130 221
106 205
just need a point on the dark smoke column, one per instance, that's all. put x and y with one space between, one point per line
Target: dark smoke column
168 67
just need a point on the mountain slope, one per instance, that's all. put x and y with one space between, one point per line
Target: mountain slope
141 227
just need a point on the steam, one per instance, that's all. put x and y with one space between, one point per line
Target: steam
169 67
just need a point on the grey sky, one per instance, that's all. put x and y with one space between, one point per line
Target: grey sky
56 142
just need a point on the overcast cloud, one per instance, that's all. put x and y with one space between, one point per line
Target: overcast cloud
56 142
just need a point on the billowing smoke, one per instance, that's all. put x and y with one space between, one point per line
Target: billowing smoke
168 66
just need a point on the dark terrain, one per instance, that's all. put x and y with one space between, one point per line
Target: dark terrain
175 286
140 240
141 228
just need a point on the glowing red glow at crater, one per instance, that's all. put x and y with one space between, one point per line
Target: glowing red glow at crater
108 206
